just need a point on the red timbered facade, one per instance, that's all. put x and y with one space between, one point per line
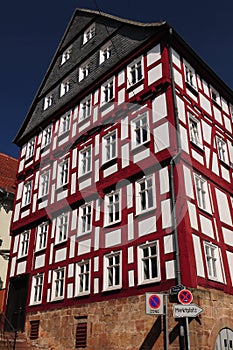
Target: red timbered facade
124 187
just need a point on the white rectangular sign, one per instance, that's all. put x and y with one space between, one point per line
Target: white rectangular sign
191 310
154 304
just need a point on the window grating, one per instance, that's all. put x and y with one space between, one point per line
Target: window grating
34 334
81 335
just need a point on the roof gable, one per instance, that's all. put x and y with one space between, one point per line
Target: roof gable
126 36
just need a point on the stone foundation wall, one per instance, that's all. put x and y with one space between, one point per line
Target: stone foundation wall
122 324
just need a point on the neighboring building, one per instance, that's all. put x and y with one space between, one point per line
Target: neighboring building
124 187
8 171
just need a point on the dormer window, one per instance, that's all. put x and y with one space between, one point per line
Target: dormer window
84 71
65 87
89 34
66 55
105 52
48 101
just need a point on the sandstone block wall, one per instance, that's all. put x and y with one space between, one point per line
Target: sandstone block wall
122 324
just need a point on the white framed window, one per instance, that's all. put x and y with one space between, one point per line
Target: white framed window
64 126
64 87
215 95
66 55
24 243
112 271
190 76
30 148
62 228
46 136
89 34
140 131
85 219
105 52
37 289
44 184
48 101
84 70
222 150
213 261
63 173
135 72
202 192
42 234
107 91
109 146
85 160
195 130
27 193
112 205
83 278
148 263
58 284
85 109
145 194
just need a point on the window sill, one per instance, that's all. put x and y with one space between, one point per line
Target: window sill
112 224
191 88
135 149
131 86
199 147
155 280
144 212
63 135
226 165
45 148
107 163
84 176
62 188
105 105
112 289
42 198
80 295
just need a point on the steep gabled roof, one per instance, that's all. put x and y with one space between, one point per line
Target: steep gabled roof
126 36
8 171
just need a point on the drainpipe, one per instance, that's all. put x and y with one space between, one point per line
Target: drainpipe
173 162
184 327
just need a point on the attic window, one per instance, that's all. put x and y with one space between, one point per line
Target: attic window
48 101
89 34
66 55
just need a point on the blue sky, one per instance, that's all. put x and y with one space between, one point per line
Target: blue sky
31 31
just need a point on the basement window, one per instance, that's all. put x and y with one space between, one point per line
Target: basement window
34 332
81 335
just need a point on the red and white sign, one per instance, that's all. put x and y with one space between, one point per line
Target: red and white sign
185 297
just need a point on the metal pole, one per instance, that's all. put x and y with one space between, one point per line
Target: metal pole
187 333
166 323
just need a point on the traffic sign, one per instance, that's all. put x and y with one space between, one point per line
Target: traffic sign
176 289
185 297
154 304
191 310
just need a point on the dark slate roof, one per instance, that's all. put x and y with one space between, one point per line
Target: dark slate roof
126 36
